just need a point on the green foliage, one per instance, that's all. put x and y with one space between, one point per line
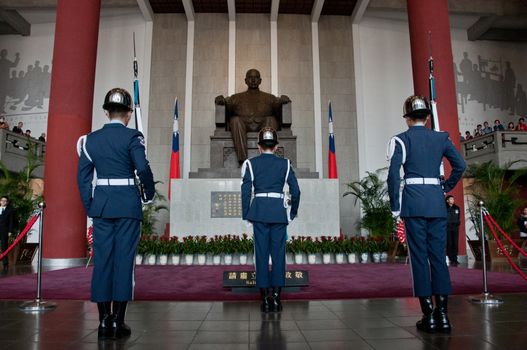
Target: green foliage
326 245
498 189
246 245
294 245
150 212
373 194
17 187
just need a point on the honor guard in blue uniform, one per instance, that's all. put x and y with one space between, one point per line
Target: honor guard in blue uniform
114 152
420 152
267 175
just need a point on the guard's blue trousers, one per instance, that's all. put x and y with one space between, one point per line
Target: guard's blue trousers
426 247
114 248
269 239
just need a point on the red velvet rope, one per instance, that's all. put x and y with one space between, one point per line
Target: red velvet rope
26 229
504 234
500 245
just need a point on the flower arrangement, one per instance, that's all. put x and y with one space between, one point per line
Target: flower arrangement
295 245
189 245
326 245
174 246
229 244
245 245
201 245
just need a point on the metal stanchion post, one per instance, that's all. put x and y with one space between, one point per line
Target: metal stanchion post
485 297
38 304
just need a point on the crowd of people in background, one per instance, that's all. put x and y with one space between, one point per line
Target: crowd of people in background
19 129
498 126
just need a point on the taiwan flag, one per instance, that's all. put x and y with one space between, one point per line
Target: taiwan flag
174 158
332 156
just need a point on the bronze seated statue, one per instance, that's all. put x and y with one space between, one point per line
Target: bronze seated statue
238 120
250 111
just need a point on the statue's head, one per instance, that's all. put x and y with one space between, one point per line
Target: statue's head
253 79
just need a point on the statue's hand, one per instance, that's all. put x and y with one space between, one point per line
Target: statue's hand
219 100
284 99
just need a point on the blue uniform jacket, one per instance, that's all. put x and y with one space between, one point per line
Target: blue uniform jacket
115 152
424 149
269 176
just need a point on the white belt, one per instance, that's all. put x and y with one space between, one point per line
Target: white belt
422 181
270 194
115 182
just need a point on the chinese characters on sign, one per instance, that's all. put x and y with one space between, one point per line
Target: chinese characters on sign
248 279
226 204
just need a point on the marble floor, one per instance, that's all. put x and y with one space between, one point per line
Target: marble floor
333 324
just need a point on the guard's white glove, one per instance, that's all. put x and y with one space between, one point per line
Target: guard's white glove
248 224
396 216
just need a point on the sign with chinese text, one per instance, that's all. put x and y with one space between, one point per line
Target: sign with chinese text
233 279
226 204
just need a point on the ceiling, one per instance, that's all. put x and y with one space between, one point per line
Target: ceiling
304 7
498 20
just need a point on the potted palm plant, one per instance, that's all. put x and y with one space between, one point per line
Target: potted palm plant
18 187
150 212
498 188
373 193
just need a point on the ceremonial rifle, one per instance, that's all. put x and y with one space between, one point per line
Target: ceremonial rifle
137 116
433 106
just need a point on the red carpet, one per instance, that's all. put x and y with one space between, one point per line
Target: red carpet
197 283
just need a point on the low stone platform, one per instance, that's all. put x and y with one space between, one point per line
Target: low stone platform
213 207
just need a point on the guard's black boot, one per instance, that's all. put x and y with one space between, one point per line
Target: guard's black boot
427 323
266 303
440 314
276 305
105 320
120 329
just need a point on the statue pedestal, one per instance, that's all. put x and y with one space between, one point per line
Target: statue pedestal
224 163
213 207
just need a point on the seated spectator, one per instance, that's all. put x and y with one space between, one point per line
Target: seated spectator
521 125
510 126
498 126
486 128
461 138
18 128
478 131
468 136
3 123
42 137
27 133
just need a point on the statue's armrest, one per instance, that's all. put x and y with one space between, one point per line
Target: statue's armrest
220 116
287 117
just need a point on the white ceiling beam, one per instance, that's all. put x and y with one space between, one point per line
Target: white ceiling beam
146 10
275 4
317 10
232 10
189 9
358 11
